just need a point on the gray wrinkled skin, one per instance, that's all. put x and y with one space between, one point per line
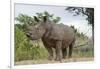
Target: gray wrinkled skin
57 36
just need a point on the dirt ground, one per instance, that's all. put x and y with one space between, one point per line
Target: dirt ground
30 62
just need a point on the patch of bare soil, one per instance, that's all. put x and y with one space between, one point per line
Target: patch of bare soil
30 62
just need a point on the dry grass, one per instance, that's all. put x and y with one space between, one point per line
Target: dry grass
45 61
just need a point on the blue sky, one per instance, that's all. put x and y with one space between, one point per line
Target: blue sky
66 18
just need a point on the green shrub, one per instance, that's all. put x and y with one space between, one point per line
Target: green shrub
25 49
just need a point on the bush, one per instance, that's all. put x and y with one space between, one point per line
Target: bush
25 49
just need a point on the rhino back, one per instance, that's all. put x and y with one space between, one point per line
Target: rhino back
61 32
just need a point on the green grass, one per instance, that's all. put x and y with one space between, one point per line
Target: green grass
80 53
34 53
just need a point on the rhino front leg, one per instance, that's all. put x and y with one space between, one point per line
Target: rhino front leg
59 51
50 51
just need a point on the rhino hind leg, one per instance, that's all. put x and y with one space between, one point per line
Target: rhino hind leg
70 49
64 52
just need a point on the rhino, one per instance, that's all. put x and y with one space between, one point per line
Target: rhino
54 36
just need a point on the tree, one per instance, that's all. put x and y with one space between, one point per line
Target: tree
25 20
88 12
49 16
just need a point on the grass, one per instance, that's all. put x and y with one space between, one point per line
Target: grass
83 53
34 52
37 53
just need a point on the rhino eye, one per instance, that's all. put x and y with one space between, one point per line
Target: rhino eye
30 33
38 29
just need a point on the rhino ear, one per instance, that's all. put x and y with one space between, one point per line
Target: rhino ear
44 19
36 19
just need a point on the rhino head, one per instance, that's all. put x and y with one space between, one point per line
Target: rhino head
36 32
